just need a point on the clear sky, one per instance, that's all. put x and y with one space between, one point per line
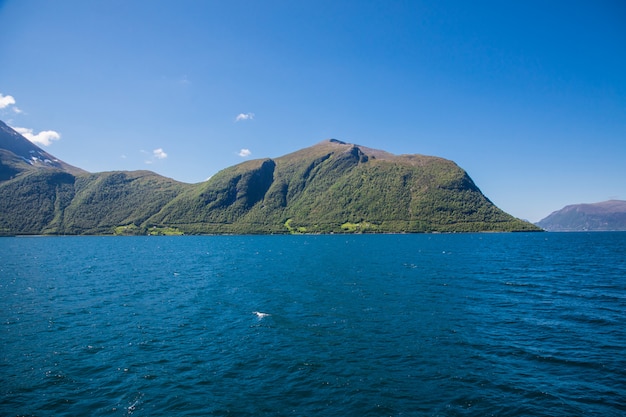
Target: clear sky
529 97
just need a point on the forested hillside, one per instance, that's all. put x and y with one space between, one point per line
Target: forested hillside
331 187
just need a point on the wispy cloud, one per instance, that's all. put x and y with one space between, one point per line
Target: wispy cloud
244 153
8 102
159 153
153 156
45 137
244 116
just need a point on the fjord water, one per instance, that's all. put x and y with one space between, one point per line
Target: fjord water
358 325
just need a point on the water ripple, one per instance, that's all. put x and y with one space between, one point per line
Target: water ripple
432 325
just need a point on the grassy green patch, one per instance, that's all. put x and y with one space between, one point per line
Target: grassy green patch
128 230
358 227
294 230
164 231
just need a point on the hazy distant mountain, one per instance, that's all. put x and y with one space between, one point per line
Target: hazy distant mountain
331 187
607 215
19 154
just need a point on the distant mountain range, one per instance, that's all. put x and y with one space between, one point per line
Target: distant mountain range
604 216
331 187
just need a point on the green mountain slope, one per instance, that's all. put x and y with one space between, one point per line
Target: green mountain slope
106 200
57 202
331 187
32 203
337 187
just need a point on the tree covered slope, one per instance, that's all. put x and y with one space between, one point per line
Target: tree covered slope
331 187
57 202
337 187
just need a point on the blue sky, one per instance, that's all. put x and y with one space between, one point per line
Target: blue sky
529 97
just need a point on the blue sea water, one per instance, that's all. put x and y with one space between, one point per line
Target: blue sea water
360 325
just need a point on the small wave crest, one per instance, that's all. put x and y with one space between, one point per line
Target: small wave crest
260 314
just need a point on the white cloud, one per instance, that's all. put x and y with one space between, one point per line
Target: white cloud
152 157
6 101
159 153
45 137
244 152
244 116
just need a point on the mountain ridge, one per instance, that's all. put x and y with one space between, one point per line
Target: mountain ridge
26 152
603 216
330 187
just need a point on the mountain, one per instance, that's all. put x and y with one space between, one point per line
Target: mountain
331 187
18 154
40 194
604 216
337 187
